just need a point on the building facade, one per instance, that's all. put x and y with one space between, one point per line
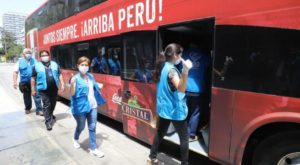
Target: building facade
14 23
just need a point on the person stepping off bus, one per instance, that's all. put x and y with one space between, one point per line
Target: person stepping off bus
46 77
170 98
85 97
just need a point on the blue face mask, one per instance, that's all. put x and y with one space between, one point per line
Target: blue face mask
27 56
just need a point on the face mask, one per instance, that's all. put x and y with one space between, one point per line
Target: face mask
45 58
28 56
177 61
83 69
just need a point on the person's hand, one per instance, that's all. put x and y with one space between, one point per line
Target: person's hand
15 85
62 88
228 60
100 85
33 92
187 65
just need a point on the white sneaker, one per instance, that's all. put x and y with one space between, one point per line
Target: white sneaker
97 153
76 143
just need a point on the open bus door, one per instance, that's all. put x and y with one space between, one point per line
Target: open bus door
201 34
138 90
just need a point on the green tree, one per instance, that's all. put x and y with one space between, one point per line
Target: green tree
10 46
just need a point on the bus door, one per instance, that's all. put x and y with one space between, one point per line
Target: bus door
196 37
138 90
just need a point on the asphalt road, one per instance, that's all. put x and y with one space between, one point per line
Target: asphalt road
25 140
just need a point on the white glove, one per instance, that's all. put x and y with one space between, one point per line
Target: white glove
187 65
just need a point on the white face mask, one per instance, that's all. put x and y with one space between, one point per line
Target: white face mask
83 69
27 56
178 61
45 58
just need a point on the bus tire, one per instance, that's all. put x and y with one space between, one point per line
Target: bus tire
282 148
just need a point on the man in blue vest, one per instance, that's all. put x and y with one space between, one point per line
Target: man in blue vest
24 67
197 86
114 63
47 78
99 63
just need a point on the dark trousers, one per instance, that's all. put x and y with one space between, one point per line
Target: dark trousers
49 102
25 88
195 106
181 129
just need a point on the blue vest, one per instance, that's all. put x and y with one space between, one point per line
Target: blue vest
115 66
79 101
170 105
25 69
196 81
143 75
100 66
41 81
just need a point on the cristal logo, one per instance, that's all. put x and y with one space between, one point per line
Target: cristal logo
116 99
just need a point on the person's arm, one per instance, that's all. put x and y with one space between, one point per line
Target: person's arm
15 75
61 80
33 92
72 86
180 83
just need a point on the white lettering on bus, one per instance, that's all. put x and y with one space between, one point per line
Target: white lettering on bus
148 19
66 33
139 11
129 16
97 25
122 17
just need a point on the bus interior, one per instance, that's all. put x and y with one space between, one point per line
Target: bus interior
199 34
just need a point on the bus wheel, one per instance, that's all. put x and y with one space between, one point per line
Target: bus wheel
280 149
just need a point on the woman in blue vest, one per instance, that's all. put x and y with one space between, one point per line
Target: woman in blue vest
170 100
85 97
46 78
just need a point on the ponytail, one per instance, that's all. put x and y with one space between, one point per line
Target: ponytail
167 55
158 67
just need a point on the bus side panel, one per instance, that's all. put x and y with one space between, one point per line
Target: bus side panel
139 112
111 91
220 124
253 109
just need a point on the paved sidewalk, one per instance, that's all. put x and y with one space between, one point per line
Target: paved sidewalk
25 140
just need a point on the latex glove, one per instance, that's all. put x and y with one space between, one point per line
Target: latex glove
187 65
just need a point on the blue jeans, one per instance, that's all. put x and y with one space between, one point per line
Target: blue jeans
91 118
195 106
38 102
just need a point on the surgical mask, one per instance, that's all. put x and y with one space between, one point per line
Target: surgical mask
83 69
45 58
28 56
178 61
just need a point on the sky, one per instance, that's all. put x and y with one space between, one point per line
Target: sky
19 6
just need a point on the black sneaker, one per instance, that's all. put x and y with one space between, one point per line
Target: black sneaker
49 127
193 138
27 112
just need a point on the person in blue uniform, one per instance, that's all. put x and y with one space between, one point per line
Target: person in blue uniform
46 78
170 100
99 63
143 73
85 97
24 67
197 87
114 63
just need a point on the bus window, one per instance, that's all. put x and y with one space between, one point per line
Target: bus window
56 11
64 56
107 56
139 58
266 64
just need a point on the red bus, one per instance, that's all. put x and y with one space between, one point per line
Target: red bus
255 107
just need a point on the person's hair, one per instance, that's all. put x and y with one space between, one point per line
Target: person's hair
167 55
43 51
26 49
83 59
